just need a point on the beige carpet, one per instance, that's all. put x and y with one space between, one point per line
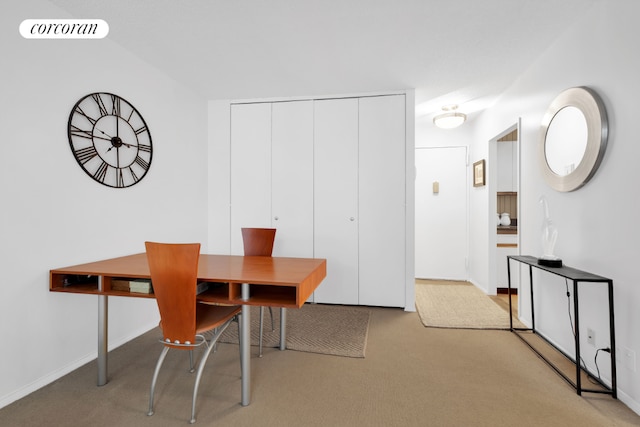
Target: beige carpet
315 328
412 377
452 304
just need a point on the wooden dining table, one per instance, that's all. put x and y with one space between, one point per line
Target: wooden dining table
233 279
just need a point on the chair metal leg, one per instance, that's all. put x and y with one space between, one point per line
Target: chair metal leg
203 360
210 345
165 350
273 328
240 345
239 340
201 364
191 369
261 331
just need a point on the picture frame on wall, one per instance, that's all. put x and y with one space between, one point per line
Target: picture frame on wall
478 173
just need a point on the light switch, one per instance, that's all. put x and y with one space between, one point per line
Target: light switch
436 187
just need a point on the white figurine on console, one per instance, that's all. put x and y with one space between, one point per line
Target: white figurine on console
549 238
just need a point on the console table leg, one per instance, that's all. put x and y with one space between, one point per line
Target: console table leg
509 294
612 341
533 313
577 337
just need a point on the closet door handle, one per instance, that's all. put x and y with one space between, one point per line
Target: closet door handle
352 219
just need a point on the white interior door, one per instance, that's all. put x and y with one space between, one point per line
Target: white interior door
441 217
382 201
250 169
292 178
336 198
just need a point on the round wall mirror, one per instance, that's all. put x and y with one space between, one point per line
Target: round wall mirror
574 138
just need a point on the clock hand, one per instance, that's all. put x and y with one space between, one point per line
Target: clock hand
102 137
104 133
117 152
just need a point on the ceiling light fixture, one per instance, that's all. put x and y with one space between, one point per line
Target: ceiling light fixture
451 119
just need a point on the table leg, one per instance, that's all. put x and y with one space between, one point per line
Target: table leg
576 322
103 323
283 328
509 294
533 312
612 342
245 325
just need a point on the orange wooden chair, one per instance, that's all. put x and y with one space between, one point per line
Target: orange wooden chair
174 272
259 242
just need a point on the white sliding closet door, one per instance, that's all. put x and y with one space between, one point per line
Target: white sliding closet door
292 178
250 170
382 201
336 198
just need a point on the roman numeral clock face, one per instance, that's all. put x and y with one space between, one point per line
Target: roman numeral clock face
110 140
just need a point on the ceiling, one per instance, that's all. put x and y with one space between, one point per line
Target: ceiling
463 52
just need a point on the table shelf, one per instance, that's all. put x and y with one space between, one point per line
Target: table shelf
220 293
259 295
89 284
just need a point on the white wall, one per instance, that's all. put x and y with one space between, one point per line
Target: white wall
597 224
53 215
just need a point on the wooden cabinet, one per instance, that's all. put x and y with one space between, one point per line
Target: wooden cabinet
329 174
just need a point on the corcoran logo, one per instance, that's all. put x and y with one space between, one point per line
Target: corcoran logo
64 29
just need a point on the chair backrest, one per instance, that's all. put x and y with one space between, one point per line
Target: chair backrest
174 276
258 241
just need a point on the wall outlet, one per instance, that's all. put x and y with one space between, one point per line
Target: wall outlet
591 337
629 359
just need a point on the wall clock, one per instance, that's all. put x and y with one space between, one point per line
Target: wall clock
110 140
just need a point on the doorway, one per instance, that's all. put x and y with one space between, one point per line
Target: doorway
504 208
441 223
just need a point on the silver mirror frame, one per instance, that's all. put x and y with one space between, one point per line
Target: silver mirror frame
590 104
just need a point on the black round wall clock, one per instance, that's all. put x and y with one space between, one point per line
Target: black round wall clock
110 140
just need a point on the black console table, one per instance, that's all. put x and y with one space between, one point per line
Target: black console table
576 276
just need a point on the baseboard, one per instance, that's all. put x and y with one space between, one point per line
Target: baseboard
68 368
506 291
44 380
630 402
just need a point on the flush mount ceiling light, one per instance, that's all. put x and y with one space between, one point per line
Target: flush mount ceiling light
451 119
